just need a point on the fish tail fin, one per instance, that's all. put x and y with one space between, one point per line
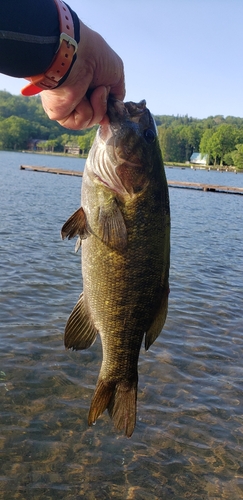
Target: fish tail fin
120 398
123 406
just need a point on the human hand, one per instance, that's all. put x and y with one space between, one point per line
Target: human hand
81 101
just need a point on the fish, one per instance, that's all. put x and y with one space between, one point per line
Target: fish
123 228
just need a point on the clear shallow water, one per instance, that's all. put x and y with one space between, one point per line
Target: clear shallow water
188 442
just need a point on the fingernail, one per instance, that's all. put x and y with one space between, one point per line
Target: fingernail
106 93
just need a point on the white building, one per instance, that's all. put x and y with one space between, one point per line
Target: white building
198 159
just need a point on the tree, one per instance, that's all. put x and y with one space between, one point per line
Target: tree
218 141
191 136
179 136
237 156
85 141
179 141
222 141
52 144
205 147
168 140
14 133
228 159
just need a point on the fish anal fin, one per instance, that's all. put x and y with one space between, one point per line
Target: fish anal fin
79 332
113 230
121 401
75 226
159 320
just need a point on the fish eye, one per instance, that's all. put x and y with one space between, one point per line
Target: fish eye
149 135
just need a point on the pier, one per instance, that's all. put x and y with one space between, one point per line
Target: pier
206 187
173 184
58 171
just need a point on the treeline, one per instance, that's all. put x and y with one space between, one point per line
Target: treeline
221 139
23 120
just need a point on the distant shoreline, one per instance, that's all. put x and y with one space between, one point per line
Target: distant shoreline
195 166
50 153
168 164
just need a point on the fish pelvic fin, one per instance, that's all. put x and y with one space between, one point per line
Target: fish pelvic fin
159 320
76 225
120 398
80 332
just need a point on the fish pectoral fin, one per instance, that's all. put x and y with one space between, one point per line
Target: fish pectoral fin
75 226
159 321
113 231
121 400
80 332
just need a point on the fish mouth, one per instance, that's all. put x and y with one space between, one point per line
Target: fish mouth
119 110
120 115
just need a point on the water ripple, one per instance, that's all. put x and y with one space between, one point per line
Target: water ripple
188 442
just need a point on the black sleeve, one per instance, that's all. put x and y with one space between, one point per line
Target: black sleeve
29 36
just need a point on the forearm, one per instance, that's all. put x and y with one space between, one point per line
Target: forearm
29 36
40 41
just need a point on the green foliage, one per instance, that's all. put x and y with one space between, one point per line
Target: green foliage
237 156
205 143
178 141
23 119
85 141
215 137
219 142
222 142
228 159
14 133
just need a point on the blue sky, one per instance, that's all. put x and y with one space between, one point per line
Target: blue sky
182 56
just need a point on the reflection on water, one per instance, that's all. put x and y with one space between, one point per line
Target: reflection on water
188 442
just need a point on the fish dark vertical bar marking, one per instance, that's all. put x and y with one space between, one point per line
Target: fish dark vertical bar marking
124 228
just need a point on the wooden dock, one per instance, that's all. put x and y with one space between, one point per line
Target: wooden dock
175 184
206 187
58 171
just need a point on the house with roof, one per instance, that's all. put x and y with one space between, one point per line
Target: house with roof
199 159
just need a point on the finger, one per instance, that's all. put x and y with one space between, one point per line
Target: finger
98 100
81 117
88 112
118 91
61 105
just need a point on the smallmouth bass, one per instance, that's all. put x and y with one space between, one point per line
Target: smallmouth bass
123 227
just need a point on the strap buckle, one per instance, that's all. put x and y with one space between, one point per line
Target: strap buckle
69 40
63 58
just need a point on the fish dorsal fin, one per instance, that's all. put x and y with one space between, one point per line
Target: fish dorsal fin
80 332
159 320
75 226
112 230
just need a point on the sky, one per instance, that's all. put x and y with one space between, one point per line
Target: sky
183 56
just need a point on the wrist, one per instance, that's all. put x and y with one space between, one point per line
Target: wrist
65 55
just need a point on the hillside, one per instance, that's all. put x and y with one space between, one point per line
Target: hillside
23 123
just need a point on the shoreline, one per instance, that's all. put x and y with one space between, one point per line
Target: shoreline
168 164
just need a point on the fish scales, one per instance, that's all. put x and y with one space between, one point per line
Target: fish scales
124 226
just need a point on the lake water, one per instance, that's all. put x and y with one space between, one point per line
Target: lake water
188 442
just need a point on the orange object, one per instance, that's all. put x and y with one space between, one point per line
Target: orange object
63 58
